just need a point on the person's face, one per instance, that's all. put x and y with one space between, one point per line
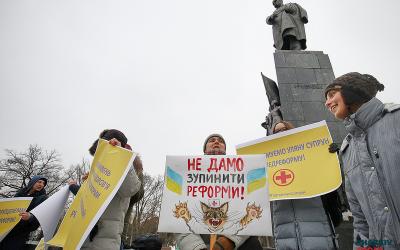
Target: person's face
336 105
214 144
38 186
280 127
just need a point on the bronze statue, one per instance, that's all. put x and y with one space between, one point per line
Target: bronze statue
288 26
275 115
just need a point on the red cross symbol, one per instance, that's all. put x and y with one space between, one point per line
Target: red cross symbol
215 203
283 177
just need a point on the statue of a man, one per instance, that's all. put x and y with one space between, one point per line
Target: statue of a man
288 26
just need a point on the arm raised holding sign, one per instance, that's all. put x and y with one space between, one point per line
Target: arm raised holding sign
107 232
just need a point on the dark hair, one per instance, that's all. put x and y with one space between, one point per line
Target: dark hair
109 134
287 124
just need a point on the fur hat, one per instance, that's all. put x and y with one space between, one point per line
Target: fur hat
356 87
108 134
208 138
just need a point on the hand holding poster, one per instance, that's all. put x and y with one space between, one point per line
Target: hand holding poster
10 208
298 162
214 194
108 170
49 212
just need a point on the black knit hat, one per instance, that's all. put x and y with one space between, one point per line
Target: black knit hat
109 134
356 87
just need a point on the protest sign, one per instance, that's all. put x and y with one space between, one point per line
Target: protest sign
41 245
10 208
298 161
49 212
108 170
215 194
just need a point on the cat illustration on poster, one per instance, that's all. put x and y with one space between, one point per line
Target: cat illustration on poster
217 218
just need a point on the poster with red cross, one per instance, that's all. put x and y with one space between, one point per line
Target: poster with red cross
298 161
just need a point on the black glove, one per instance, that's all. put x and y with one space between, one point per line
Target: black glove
334 148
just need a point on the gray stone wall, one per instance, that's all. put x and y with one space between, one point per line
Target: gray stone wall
302 77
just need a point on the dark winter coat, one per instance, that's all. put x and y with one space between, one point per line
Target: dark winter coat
19 234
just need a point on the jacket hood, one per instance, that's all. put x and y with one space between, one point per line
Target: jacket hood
35 179
108 134
24 191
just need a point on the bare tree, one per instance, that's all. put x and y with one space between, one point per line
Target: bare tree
17 169
76 171
144 216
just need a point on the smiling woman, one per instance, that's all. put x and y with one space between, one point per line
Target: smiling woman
335 104
370 154
345 95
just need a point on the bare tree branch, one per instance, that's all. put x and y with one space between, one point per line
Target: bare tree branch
145 214
17 169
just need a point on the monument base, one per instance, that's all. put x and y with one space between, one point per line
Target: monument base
302 77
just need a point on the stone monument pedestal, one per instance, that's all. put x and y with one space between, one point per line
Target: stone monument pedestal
302 77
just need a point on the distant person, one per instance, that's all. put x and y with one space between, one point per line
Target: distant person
15 240
106 234
147 242
303 223
288 26
371 155
215 145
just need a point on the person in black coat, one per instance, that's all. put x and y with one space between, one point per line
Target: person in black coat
17 237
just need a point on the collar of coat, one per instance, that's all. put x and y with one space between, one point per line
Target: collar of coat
369 113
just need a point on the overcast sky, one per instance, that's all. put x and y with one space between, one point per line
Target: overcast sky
165 72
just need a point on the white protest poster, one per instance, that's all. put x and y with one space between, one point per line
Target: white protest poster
216 194
49 212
